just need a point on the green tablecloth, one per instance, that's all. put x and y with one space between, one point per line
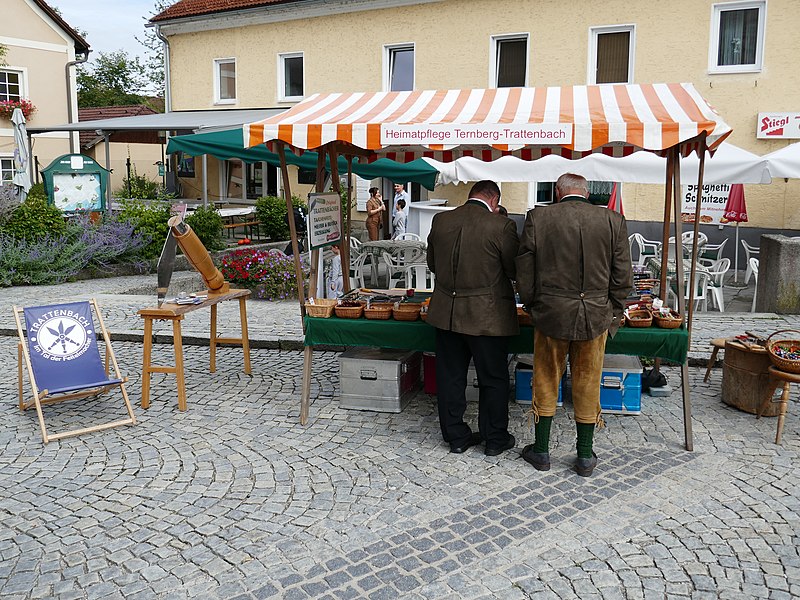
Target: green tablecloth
670 344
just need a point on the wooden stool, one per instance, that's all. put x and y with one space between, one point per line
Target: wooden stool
718 344
174 313
786 379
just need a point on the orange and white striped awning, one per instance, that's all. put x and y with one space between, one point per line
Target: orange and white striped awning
524 122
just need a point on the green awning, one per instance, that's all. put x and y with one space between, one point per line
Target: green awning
227 144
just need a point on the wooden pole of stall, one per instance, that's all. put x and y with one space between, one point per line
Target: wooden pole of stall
287 194
347 229
679 276
671 160
693 276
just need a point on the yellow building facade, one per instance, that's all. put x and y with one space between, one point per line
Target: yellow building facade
740 55
39 46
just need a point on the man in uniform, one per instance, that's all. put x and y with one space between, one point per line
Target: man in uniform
573 274
472 250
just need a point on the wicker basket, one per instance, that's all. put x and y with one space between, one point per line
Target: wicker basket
349 312
407 312
322 308
378 311
639 318
782 352
672 321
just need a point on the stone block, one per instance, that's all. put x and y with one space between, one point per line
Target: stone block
778 287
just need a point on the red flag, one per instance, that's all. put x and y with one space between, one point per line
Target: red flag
615 200
735 208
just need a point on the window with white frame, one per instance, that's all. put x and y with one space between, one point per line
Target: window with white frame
10 85
225 80
737 37
6 169
611 54
509 60
290 76
398 69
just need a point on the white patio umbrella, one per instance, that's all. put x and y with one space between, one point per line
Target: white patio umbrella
21 178
730 164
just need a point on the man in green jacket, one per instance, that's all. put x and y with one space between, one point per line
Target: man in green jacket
573 275
472 250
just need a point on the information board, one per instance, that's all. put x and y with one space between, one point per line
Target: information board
324 220
712 207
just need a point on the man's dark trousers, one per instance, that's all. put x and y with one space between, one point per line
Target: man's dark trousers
490 354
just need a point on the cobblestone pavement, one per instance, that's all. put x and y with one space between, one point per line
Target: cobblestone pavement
235 499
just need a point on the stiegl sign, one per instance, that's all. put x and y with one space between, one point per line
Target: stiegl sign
784 125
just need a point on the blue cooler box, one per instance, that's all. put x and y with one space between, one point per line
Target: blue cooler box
621 385
523 378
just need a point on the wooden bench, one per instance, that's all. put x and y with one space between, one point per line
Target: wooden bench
247 225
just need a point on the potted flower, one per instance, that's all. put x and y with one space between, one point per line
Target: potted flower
7 108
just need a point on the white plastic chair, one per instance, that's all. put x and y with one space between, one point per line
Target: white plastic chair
752 267
409 236
717 272
397 262
647 248
357 268
711 253
750 252
419 276
687 237
702 279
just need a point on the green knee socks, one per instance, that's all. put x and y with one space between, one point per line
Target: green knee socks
541 441
585 438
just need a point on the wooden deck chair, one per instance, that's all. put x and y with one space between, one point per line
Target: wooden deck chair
59 348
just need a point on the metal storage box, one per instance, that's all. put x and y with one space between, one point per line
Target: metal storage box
621 385
378 379
523 376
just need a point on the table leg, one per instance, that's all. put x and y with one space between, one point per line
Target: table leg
212 340
245 336
148 347
687 408
782 414
178 343
711 361
305 397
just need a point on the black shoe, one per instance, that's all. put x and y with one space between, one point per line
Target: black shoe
539 460
474 440
585 466
510 443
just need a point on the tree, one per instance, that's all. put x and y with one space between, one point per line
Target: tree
154 54
112 79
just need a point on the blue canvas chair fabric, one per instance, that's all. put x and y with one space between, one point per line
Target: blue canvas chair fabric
59 347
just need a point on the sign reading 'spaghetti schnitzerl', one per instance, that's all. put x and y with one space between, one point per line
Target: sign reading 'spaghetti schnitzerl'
393 134
712 206
781 126
324 220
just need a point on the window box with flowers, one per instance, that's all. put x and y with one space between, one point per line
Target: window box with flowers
7 108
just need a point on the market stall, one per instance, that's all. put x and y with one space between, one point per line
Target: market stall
671 120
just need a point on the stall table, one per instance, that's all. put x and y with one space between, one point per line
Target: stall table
653 342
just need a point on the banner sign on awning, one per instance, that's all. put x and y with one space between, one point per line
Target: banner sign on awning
712 208
511 134
324 220
782 126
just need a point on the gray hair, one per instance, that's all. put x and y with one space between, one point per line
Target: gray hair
570 183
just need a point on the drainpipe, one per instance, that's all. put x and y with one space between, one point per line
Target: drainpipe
167 93
70 116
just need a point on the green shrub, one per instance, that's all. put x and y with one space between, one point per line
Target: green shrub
149 220
271 212
138 186
207 224
34 218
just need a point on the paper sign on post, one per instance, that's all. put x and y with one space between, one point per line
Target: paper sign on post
324 220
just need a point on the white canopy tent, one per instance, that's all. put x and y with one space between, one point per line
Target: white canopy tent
730 164
785 162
